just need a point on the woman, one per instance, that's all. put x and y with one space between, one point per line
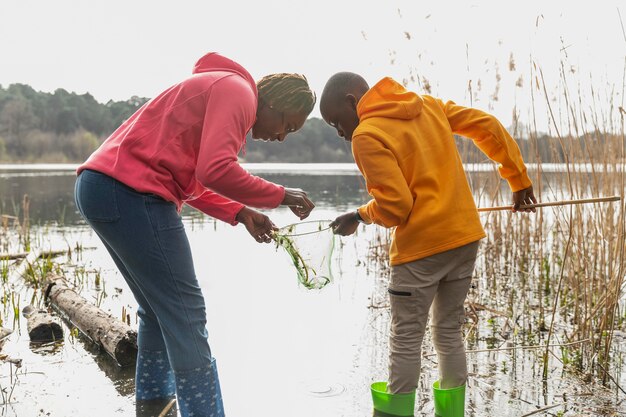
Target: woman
181 148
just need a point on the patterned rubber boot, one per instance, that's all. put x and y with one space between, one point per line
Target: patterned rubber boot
198 392
154 382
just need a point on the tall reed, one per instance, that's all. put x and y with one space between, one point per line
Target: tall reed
559 274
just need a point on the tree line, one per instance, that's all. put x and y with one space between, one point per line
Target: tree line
56 127
67 127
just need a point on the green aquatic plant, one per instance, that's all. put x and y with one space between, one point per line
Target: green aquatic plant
35 273
74 334
4 270
98 279
16 309
307 275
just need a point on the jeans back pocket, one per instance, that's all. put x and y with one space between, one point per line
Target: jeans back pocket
96 197
163 213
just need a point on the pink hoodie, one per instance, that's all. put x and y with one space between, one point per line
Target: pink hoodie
183 144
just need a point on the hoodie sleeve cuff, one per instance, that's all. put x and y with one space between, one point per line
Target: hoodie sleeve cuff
280 196
519 182
217 207
363 213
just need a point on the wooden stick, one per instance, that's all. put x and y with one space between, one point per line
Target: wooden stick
610 376
167 407
517 347
541 410
553 203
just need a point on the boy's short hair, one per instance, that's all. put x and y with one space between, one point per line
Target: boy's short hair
341 83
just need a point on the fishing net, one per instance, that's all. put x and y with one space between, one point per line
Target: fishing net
310 247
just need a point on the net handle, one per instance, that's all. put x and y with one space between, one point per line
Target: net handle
306 233
552 203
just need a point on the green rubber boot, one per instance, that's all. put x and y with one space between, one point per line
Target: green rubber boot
449 402
391 405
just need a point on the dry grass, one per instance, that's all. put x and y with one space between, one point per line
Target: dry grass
558 274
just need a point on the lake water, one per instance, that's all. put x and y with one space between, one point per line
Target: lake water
282 350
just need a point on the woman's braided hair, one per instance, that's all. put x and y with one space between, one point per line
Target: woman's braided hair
287 93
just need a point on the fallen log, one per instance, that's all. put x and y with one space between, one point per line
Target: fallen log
22 255
5 219
24 264
42 327
114 336
13 256
8 359
4 335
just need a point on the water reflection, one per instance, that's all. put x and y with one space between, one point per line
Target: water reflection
52 192
316 352
331 186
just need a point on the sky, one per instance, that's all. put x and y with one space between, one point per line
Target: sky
115 49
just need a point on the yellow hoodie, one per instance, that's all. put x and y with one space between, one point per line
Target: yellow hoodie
404 147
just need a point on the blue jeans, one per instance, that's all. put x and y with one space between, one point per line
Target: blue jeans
146 238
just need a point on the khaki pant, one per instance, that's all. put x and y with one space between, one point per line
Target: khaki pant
442 280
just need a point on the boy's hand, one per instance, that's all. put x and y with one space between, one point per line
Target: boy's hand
258 224
524 197
298 202
345 225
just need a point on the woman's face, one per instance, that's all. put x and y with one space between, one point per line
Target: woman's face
272 125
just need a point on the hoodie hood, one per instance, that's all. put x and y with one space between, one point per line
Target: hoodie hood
216 62
389 99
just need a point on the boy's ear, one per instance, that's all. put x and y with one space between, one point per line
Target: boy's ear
352 101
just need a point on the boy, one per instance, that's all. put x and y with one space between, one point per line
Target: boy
404 146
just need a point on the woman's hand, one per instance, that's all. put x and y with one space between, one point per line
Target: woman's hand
524 197
258 224
298 202
345 225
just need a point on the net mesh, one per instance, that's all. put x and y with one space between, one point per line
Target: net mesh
310 246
